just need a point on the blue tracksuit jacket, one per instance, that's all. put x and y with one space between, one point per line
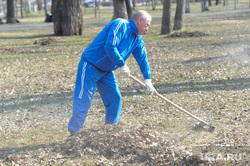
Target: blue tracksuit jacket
107 52
114 44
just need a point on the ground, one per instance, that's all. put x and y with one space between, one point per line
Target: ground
208 75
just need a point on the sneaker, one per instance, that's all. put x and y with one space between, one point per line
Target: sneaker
72 133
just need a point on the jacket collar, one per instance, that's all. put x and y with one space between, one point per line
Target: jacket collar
135 30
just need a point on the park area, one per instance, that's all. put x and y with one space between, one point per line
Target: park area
204 69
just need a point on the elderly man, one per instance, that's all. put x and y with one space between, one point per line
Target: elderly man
107 52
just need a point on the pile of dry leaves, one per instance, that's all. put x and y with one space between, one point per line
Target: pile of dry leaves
49 41
4 51
108 145
188 34
136 146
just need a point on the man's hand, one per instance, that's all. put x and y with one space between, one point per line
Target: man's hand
149 87
124 70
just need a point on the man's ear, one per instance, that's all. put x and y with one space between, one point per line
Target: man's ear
140 20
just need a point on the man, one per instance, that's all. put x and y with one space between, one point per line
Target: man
107 52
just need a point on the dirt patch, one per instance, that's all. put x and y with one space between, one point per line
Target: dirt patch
49 41
187 34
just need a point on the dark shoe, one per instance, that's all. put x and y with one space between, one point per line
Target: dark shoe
72 133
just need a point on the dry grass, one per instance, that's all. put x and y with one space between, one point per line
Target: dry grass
208 76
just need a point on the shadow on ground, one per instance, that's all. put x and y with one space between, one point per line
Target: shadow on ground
166 88
4 152
228 85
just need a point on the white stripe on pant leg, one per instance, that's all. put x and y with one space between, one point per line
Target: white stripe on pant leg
82 79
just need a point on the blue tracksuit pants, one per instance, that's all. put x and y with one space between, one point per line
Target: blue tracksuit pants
88 79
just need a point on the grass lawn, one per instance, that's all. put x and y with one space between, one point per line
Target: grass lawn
208 76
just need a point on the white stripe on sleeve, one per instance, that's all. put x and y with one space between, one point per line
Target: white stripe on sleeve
116 30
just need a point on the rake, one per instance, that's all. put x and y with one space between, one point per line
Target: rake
203 124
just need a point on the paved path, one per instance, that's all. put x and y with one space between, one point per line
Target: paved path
17 27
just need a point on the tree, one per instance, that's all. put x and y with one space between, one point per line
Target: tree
179 15
10 12
120 10
209 2
187 10
129 9
153 5
225 3
67 17
21 4
204 5
16 7
4 7
166 27
45 7
133 2
26 6
95 8
217 2
39 5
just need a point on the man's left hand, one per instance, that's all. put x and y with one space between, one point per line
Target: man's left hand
124 70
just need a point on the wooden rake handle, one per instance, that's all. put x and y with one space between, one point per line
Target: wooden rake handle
169 102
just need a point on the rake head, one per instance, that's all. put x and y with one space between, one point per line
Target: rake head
203 127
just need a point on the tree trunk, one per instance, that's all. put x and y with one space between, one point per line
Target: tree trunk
209 2
129 9
4 9
218 2
153 5
45 7
10 12
39 5
187 10
179 15
1 4
16 8
204 5
225 3
133 2
67 17
21 8
120 10
166 27
95 8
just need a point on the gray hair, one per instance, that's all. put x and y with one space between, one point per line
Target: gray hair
141 13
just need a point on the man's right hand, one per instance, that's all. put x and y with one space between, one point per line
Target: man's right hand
149 87
124 70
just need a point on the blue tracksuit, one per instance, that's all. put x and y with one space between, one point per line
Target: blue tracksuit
107 52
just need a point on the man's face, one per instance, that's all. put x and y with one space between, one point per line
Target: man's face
143 26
